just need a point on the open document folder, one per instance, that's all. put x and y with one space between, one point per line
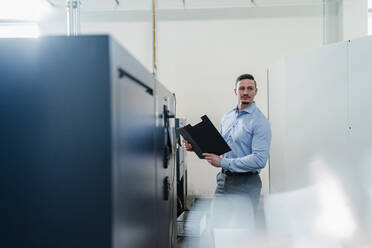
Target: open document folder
204 137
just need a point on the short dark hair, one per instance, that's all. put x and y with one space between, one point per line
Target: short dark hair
245 76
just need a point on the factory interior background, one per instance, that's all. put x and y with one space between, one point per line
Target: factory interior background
196 49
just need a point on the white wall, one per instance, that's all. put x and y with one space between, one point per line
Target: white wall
135 34
136 37
200 53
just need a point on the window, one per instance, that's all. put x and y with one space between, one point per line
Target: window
19 18
14 30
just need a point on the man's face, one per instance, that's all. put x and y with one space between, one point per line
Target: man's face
246 91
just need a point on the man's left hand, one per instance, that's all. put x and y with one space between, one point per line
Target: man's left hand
213 159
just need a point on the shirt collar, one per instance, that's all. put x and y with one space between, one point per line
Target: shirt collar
248 110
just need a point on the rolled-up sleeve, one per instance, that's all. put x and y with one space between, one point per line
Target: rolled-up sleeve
255 161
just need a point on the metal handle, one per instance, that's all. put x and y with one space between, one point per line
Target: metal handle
123 73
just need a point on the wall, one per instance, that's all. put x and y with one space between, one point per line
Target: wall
136 37
132 30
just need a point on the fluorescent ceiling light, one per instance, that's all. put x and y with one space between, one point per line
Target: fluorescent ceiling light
19 30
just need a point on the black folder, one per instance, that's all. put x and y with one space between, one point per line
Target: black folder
204 138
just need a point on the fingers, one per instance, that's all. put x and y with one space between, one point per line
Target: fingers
211 162
213 159
208 157
188 146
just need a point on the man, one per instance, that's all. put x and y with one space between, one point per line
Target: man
247 131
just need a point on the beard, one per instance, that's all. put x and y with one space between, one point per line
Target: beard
245 102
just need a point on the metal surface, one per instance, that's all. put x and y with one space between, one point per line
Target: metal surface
181 170
321 147
165 165
181 151
55 156
134 171
308 117
78 163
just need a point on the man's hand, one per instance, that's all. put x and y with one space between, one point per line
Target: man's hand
213 159
188 146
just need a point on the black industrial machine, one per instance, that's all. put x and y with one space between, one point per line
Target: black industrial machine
165 104
181 168
87 151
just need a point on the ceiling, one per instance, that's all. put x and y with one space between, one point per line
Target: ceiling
127 5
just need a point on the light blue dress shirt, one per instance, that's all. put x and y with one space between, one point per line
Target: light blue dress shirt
248 134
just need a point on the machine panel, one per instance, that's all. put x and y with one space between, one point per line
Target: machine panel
82 157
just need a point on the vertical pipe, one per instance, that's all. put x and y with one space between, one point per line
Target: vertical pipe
324 23
154 37
73 17
69 16
332 21
77 17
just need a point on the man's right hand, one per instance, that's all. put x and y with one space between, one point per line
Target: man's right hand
188 146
